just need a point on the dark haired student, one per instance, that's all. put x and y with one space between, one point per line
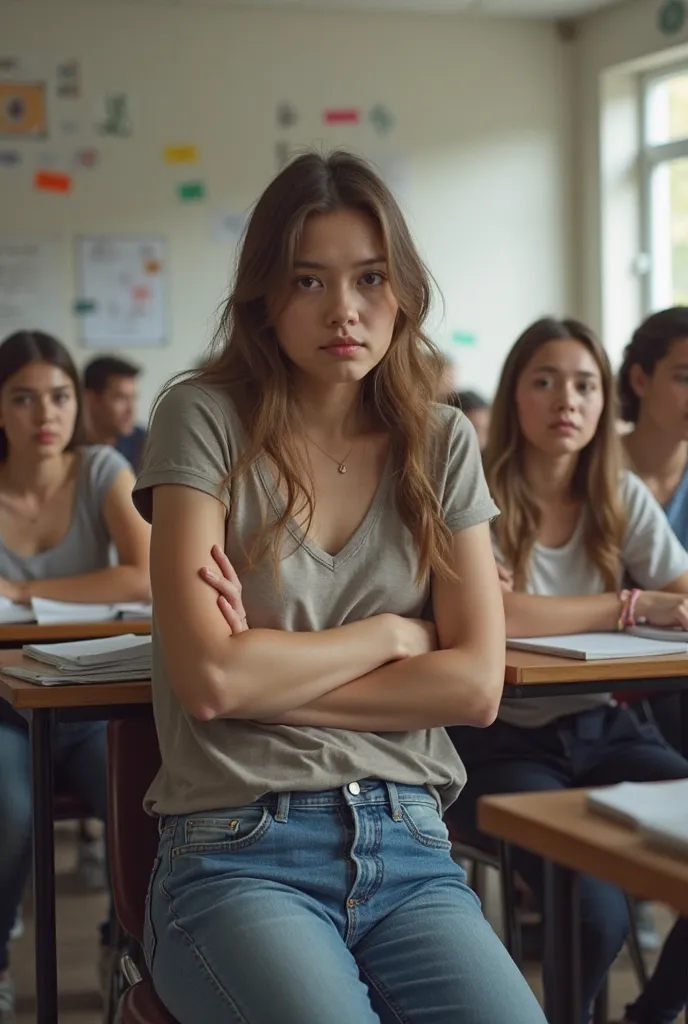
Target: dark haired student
62 507
111 394
653 394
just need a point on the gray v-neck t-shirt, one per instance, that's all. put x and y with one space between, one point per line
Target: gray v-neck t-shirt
86 547
196 437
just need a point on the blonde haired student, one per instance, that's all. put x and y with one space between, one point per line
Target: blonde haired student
573 526
304 871
63 506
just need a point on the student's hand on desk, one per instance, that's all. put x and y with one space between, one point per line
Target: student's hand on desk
661 609
228 587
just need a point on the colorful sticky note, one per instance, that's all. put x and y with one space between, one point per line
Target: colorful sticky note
189 190
52 181
140 293
83 306
463 338
181 154
344 115
151 267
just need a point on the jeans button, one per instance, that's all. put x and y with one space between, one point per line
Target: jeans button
354 788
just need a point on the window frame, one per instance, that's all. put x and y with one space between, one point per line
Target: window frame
651 157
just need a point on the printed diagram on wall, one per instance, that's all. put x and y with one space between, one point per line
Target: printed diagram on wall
30 284
121 291
23 111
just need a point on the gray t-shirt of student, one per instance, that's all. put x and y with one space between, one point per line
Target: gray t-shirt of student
86 547
195 438
650 555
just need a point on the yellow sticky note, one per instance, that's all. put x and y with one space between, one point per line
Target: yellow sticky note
181 154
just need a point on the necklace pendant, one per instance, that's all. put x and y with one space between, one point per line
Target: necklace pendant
341 468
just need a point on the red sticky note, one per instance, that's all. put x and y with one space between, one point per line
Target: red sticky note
343 116
52 181
140 293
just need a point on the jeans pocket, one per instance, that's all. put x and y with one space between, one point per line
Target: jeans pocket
149 937
425 825
229 831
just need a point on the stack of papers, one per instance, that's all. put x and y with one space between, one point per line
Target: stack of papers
599 646
47 613
113 659
658 809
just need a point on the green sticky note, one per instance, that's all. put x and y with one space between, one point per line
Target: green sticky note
463 338
189 190
82 306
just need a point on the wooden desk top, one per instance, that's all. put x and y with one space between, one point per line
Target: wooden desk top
524 668
21 695
559 827
32 633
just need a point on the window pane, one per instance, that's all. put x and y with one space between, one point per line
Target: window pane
667 109
669 212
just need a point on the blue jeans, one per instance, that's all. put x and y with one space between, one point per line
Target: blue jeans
334 907
80 766
666 993
594 748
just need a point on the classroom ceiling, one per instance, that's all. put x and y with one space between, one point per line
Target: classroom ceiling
502 8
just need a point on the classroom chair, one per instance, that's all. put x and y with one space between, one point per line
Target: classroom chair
133 760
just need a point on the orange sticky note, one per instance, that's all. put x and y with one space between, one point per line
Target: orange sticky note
151 267
52 181
181 154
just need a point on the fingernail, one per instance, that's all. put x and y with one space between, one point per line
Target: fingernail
210 574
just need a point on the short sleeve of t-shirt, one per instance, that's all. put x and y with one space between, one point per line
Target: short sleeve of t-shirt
188 444
651 553
465 496
104 466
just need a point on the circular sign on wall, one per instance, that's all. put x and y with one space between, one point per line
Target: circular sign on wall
671 17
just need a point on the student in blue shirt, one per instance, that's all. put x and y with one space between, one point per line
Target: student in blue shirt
653 393
111 395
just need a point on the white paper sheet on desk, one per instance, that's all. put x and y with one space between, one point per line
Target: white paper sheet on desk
642 803
87 656
41 678
12 613
49 613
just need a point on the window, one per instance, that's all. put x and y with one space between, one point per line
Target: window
664 265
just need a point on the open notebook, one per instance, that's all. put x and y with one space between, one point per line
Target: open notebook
598 646
47 613
658 809
113 659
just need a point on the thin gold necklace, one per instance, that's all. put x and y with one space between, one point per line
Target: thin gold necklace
341 465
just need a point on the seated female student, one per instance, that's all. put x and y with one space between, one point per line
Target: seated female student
573 525
62 506
304 870
653 396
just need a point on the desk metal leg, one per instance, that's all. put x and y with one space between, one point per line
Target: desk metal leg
512 927
41 727
563 937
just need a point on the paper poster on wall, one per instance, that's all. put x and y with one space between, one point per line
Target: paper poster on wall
68 80
286 115
30 284
382 119
23 111
125 279
116 117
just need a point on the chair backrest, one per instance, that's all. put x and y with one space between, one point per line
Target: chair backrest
133 761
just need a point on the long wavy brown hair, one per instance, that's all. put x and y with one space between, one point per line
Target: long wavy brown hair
397 395
595 481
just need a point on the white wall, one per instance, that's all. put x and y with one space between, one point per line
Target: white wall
482 111
612 49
